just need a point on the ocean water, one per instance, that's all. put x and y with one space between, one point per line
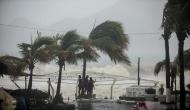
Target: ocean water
102 87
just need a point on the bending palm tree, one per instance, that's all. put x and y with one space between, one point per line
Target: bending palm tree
35 52
88 53
64 49
109 38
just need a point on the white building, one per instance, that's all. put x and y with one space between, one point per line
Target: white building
137 91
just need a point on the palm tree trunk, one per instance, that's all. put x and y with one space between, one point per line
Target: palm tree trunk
167 69
59 82
172 83
83 74
111 95
181 37
175 94
84 68
30 79
182 79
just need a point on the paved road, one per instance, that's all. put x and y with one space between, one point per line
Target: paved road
95 104
110 105
149 105
103 105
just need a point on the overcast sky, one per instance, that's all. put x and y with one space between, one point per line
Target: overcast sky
141 19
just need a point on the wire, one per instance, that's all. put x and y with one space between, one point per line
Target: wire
30 28
52 30
95 84
99 79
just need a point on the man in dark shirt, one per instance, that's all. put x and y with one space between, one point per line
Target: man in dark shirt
86 85
90 86
79 84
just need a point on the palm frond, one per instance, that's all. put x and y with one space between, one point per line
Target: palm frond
89 54
71 58
160 66
186 17
10 59
185 12
65 47
109 37
42 41
84 49
44 55
109 47
37 51
25 50
12 66
69 38
170 15
104 44
174 69
113 30
186 60
118 55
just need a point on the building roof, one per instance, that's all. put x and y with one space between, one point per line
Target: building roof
142 86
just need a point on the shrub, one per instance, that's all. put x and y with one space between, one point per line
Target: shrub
150 91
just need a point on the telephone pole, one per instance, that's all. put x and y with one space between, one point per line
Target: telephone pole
138 71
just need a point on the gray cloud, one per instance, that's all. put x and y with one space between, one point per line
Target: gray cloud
137 16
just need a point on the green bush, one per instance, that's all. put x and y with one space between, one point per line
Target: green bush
150 91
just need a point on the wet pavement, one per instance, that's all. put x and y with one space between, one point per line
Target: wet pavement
111 105
102 104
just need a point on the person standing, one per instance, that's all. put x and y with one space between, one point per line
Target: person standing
79 84
90 86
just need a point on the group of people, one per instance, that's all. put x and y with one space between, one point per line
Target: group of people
85 85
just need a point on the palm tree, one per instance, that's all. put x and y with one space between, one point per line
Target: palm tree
181 21
169 27
182 31
35 52
64 50
109 38
88 53
161 66
174 66
12 66
166 37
